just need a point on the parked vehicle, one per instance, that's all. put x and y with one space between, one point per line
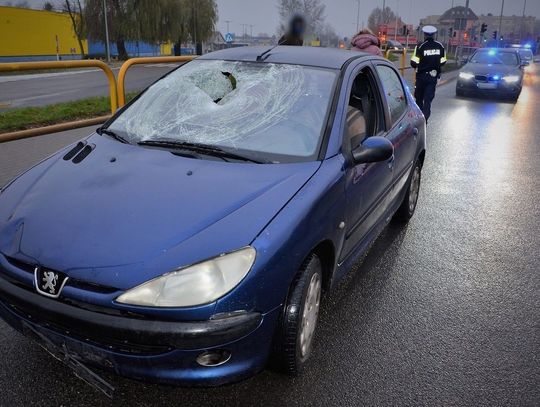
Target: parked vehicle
492 72
393 45
191 238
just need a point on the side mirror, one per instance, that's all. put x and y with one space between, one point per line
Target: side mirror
372 150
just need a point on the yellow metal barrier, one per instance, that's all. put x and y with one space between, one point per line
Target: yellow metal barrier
33 66
138 61
55 128
403 58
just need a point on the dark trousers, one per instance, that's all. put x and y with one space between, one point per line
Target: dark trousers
424 92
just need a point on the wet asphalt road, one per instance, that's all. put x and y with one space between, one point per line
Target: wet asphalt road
443 312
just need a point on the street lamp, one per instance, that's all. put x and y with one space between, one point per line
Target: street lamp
106 31
358 17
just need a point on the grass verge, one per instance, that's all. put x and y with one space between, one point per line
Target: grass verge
32 117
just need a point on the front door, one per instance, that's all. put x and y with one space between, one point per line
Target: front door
367 185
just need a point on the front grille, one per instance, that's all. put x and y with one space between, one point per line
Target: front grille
82 285
107 343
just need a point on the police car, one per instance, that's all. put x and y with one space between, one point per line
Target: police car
492 72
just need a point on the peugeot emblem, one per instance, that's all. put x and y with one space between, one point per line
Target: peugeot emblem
48 282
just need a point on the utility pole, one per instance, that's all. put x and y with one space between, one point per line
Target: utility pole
397 17
228 23
523 22
358 18
500 24
106 31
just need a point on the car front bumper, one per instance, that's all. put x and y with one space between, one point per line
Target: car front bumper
159 351
499 88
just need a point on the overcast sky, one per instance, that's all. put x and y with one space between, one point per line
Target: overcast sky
342 13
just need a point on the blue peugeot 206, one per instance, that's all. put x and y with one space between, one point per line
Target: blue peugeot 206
190 238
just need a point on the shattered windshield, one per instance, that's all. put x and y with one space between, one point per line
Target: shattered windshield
262 110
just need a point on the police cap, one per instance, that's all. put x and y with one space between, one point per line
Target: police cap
429 30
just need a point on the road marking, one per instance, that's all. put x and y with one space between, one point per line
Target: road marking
161 65
15 78
18 102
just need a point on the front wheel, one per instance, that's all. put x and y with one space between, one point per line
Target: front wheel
296 330
408 206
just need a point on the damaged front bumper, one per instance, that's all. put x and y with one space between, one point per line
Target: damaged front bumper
159 351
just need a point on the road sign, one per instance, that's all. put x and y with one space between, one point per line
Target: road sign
229 37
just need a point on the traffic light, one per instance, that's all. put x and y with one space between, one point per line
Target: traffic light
494 36
483 29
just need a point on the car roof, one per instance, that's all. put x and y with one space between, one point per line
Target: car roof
331 58
488 49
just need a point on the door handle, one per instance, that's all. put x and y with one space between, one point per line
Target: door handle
391 162
415 132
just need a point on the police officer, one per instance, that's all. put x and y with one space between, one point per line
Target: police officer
428 59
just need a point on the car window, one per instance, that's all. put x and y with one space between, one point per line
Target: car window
526 54
394 92
495 57
266 111
362 111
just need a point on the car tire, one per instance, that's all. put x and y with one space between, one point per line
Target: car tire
294 335
408 206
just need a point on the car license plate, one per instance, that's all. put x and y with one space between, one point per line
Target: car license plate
487 86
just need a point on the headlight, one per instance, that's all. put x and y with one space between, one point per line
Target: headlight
511 78
199 284
466 75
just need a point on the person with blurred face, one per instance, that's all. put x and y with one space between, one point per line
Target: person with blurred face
295 34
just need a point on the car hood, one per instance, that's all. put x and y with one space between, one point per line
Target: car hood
489 69
135 213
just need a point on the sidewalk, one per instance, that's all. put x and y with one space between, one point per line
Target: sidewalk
19 155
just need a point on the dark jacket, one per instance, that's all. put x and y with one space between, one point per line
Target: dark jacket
291 39
429 56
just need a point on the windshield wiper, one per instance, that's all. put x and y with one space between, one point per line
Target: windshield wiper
112 134
199 148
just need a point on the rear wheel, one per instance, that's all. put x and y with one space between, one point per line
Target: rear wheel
296 330
408 206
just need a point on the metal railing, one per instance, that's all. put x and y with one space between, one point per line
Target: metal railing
35 66
116 89
138 61
403 59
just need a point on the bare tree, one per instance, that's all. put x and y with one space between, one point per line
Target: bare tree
379 17
312 10
48 6
328 36
75 11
